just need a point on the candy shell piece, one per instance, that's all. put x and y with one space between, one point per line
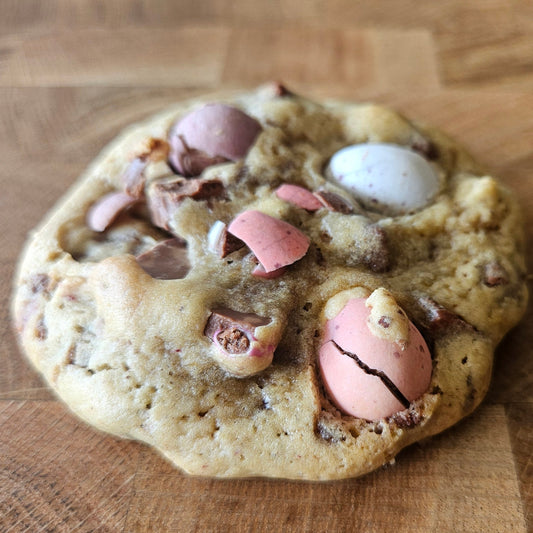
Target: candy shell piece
107 208
298 196
385 177
260 272
239 350
210 135
166 260
274 242
409 369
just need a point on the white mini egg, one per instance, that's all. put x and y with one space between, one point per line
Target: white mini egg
385 177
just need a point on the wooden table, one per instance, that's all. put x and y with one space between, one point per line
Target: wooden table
73 73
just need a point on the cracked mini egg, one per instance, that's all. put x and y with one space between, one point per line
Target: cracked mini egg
373 364
385 177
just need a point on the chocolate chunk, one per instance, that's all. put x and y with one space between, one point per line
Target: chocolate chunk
152 150
166 260
406 419
279 90
385 321
426 148
438 320
164 197
41 331
377 256
233 329
133 177
40 283
233 340
334 202
221 242
191 162
494 274
328 433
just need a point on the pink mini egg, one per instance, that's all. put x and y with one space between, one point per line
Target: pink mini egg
211 135
367 376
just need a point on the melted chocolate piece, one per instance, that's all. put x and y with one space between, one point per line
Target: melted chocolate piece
406 419
166 260
377 258
222 242
437 320
233 329
334 202
426 148
134 178
279 90
164 197
40 283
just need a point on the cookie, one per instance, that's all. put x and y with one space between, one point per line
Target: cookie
258 284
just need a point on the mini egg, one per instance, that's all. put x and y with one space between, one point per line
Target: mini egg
368 376
385 177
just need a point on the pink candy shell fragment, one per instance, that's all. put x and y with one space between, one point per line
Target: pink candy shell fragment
274 242
260 272
105 210
298 196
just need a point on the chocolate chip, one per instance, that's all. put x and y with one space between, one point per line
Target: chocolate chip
384 321
221 242
334 202
233 329
165 196
166 260
280 90
134 178
426 148
233 340
494 275
41 331
438 320
406 419
329 434
39 283
377 257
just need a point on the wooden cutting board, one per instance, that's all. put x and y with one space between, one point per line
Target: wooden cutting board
72 74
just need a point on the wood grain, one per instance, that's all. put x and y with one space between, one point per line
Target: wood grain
73 74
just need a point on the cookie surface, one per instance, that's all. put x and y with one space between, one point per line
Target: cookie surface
182 295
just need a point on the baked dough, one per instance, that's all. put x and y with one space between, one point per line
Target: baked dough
134 354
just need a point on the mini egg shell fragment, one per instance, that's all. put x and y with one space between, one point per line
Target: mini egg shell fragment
211 135
274 242
350 387
385 177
